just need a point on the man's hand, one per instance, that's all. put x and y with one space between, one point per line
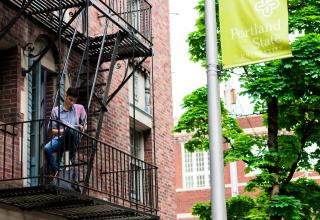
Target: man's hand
56 132
81 128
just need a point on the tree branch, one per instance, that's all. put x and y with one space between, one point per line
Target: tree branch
303 141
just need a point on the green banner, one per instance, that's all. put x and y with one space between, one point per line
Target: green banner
253 31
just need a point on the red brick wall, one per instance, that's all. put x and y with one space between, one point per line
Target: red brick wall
116 122
163 108
251 121
187 198
10 158
9 83
179 177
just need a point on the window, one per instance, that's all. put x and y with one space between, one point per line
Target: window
189 182
147 92
196 169
139 91
134 13
137 177
136 88
137 149
200 181
199 161
188 162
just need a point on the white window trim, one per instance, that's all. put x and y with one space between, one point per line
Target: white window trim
206 170
136 87
140 156
185 216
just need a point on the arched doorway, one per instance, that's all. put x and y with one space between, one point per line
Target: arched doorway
41 87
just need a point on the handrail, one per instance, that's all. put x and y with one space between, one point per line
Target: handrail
119 8
84 134
146 11
116 176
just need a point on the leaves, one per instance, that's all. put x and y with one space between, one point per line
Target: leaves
308 192
286 207
237 208
195 120
295 83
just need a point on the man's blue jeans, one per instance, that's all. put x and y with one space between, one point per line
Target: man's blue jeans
67 142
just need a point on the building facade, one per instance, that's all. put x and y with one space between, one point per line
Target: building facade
117 54
192 171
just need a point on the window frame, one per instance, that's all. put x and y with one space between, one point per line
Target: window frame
194 174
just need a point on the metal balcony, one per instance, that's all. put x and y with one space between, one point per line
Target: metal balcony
120 186
132 18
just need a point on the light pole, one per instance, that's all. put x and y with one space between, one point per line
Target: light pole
218 200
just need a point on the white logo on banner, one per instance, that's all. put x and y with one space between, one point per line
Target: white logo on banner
266 7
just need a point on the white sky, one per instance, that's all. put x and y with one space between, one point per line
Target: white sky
186 75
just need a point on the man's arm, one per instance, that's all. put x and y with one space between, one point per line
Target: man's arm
83 120
54 125
56 132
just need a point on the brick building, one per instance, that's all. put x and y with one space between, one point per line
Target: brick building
117 54
192 171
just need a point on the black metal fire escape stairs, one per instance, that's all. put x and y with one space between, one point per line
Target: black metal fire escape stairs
126 43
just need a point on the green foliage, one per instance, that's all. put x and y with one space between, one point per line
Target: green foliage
286 207
308 192
295 83
196 39
261 210
195 121
237 208
203 210
304 15
303 203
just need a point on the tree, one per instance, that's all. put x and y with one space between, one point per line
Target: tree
195 121
237 208
288 91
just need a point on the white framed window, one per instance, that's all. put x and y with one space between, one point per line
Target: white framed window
199 161
188 162
137 173
189 182
139 90
147 93
196 169
201 181
134 13
136 87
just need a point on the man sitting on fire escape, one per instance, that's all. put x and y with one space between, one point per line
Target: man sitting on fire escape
66 135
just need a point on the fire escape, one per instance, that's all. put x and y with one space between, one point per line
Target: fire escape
105 182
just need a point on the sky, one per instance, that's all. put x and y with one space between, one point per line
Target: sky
186 75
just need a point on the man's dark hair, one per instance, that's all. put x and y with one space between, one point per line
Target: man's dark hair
73 92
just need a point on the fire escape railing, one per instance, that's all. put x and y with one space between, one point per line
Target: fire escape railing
132 16
135 13
116 176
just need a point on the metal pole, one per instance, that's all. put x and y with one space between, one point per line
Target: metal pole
218 200
233 165
98 63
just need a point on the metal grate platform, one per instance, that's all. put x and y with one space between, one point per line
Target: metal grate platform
40 6
45 14
72 205
129 47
